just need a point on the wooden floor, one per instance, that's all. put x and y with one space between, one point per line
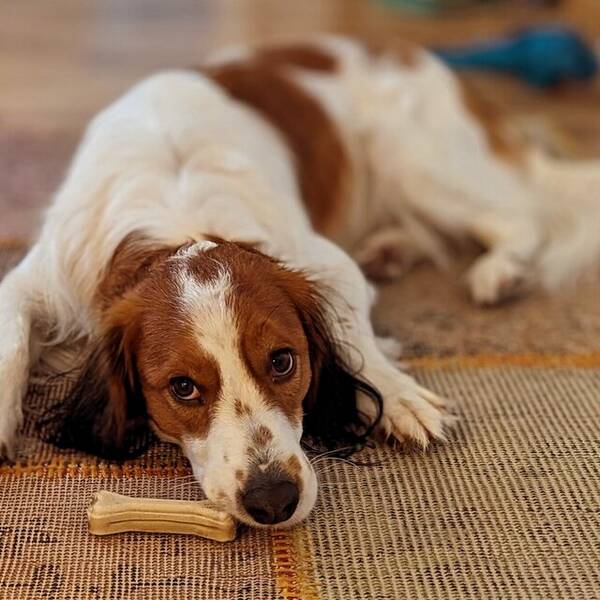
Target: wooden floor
62 60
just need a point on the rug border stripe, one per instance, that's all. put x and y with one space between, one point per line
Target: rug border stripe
293 564
58 469
590 360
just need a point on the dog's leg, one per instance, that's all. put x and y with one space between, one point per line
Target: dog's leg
430 146
18 306
508 267
390 252
411 413
391 347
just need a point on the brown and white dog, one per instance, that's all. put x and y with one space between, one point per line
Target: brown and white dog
196 249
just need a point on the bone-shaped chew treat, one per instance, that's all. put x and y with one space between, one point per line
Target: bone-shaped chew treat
113 513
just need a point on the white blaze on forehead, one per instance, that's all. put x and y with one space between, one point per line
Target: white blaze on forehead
209 308
195 249
207 297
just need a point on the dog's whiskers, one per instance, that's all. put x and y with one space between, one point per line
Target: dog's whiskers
333 458
184 482
326 454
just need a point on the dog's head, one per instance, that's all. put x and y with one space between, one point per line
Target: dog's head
227 353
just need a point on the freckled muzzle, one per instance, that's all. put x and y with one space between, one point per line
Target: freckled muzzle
270 500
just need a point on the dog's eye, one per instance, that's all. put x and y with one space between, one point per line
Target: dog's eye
282 363
184 388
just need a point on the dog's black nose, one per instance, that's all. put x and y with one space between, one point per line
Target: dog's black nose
272 501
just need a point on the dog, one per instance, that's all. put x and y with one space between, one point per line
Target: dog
206 249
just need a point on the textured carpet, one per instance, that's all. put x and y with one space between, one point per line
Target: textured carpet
508 508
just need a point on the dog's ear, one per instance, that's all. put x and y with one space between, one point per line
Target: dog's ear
332 418
104 413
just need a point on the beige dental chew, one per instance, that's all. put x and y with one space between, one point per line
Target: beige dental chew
113 513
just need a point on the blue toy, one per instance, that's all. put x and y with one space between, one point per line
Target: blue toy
542 56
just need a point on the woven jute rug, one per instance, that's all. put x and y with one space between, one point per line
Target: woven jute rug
508 508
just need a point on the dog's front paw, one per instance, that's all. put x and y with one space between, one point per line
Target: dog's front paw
414 415
411 413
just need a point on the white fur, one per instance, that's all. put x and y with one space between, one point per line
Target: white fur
432 164
178 160
195 249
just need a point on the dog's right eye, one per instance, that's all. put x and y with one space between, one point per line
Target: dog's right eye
184 389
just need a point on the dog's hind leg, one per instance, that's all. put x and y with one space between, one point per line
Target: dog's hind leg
508 268
19 305
390 252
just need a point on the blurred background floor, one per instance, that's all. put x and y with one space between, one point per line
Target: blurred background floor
62 61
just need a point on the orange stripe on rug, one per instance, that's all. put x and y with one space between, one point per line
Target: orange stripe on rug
63 470
527 360
293 564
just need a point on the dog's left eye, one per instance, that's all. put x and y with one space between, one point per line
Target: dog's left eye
282 363
184 388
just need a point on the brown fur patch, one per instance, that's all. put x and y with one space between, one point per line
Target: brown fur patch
492 122
267 307
293 467
322 162
241 409
130 264
305 56
262 436
239 475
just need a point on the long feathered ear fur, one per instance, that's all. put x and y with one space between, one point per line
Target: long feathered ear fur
104 413
332 419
